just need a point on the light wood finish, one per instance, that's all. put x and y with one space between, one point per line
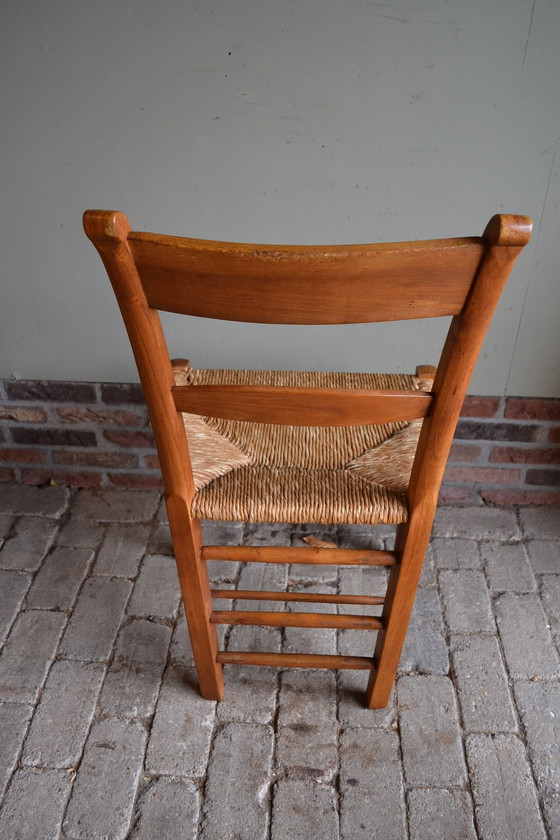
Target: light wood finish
307 597
295 660
305 556
305 285
302 406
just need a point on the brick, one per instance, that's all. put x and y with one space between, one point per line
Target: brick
18 500
47 791
7 474
13 587
28 653
303 808
430 734
472 430
539 706
70 457
544 556
440 814
23 456
525 635
508 568
101 804
19 414
238 772
524 455
81 480
50 391
136 440
156 591
42 436
520 497
550 594
133 680
524 408
78 534
476 523
504 792
28 543
456 554
480 406
425 650
14 719
64 714
182 728
117 394
466 601
554 434
122 550
307 727
464 452
351 704
96 619
451 495
371 784
167 810
116 505
137 481
548 478
541 523
101 417
481 475
59 579
482 685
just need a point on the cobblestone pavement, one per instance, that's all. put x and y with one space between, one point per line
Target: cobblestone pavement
103 734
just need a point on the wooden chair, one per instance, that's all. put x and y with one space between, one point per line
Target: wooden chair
294 447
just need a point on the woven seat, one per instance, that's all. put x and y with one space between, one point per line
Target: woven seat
259 472
262 446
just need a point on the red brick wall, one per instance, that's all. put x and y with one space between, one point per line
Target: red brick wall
506 450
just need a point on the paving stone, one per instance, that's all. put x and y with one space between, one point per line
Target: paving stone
156 592
365 536
122 550
237 787
62 719
20 499
525 636
482 685
116 505
14 719
456 554
550 594
503 789
180 649
425 649
303 809
351 702
508 568
6 523
371 785
167 810
132 684
59 579
28 654
551 807
311 639
96 618
476 523
47 791
182 728
261 533
541 523
160 541
79 534
303 572
222 533
13 587
262 577
29 542
250 693
307 726
428 575
102 800
544 556
440 814
430 734
362 580
539 706
466 601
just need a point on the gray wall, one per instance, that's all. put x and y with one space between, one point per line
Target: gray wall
275 121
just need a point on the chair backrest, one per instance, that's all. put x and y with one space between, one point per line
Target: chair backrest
462 278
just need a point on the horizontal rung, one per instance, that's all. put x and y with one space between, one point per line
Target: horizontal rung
304 555
295 660
315 597
296 619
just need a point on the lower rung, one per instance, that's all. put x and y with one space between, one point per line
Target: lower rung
296 619
295 660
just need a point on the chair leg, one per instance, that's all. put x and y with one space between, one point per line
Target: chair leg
399 601
186 535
